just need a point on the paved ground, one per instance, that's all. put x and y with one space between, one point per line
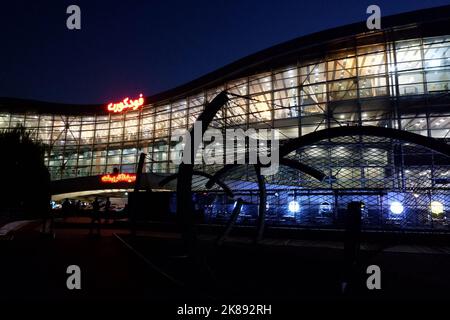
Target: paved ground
151 267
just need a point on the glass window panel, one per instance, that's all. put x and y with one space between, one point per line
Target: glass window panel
161 133
147 127
129 151
408 55
58 135
342 68
211 94
101 136
179 105
410 83
130 158
71 159
372 64
148 110
342 90
238 87
305 129
45 134
114 152
4 120
438 80
131 133
161 124
46 121
288 132
416 124
196 100
73 135
439 127
436 52
313 94
286 113
260 103
85 158
260 83
372 87
160 151
313 109
179 118
116 128
131 122
102 128
313 73
17 120
285 98
285 78
236 106
132 115
237 120
31 121
194 113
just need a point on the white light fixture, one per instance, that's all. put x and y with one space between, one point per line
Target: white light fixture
294 206
397 207
436 207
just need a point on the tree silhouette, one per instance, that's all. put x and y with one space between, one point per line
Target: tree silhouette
24 178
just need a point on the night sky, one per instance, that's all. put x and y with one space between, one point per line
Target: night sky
128 47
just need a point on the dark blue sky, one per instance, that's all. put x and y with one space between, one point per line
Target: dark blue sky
128 47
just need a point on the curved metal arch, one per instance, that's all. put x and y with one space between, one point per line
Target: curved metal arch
262 186
294 164
317 136
225 188
313 172
185 172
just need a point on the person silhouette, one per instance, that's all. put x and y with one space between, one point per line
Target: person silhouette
95 217
107 209
65 208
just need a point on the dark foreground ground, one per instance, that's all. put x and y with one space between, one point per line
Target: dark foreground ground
150 269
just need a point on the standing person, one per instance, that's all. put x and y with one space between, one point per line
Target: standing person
77 208
65 208
107 209
95 216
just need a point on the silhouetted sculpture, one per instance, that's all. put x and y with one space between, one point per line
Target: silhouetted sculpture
352 244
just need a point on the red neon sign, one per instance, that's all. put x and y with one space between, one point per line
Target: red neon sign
125 104
116 178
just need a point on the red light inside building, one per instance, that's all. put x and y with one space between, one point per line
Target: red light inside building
116 178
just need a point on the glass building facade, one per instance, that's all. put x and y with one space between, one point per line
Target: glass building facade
398 77
347 87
